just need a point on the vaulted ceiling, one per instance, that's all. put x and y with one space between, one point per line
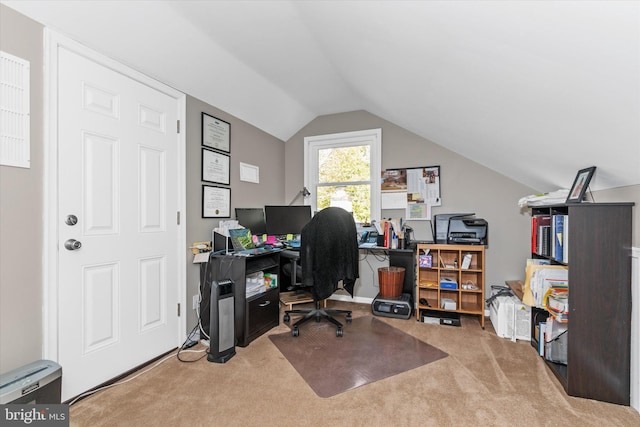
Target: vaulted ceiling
535 90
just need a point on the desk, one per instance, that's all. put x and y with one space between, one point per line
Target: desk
254 315
404 258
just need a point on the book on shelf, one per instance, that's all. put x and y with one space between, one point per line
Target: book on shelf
542 336
540 234
558 237
565 241
534 234
544 237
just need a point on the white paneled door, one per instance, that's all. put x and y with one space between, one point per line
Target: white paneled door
117 192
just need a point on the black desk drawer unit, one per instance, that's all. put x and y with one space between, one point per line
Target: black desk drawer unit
262 314
258 313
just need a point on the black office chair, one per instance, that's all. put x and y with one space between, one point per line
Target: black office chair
328 257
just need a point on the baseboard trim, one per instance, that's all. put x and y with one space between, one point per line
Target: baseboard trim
347 298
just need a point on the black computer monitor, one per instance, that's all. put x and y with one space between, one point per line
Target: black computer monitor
253 219
282 220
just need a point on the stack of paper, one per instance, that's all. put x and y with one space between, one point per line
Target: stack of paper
255 284
539 279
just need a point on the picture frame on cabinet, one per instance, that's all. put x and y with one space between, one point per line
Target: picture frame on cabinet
580 185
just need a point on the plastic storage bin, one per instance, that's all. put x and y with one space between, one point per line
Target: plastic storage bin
38 382
511 318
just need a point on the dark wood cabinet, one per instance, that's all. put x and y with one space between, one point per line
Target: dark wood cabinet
599 323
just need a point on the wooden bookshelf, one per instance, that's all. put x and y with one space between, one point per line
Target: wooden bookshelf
448 264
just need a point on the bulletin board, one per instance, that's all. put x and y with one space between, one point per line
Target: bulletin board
414 189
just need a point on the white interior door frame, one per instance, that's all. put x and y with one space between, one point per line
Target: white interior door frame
53 42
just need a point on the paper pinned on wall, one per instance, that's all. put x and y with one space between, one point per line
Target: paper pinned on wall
413 189
394 200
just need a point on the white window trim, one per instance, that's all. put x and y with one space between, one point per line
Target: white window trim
372 137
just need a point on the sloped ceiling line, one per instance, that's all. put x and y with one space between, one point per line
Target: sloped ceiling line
533 90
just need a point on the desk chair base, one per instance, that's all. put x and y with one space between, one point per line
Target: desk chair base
318 313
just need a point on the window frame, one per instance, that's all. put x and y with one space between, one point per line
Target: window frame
371 137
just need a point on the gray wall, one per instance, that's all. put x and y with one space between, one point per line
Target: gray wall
21 200
248 145
465 187
630 193
21 208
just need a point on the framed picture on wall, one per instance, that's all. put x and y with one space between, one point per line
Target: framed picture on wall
216 133
215 167
216 202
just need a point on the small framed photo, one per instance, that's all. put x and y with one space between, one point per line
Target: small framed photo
216 202
580 185
216 133
215 167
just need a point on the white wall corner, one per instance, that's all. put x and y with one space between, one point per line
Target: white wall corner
635 328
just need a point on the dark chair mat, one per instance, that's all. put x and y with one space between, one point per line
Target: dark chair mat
370 350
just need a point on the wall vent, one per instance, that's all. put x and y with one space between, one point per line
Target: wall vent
14 111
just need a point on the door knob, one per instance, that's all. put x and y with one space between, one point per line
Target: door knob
71 220
72 244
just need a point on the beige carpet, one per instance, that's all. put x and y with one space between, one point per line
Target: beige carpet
485 381
332 365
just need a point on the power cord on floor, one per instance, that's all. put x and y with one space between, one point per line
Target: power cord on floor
90 392
188 343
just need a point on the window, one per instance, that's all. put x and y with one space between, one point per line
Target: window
343 169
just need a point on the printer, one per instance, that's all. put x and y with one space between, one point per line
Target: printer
470 231
460 228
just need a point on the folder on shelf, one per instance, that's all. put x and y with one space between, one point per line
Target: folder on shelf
538 280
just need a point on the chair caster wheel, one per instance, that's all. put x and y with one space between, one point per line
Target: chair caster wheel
339 332
295 332
286 317
349 318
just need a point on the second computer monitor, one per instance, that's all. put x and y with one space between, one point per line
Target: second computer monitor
253 219
282 220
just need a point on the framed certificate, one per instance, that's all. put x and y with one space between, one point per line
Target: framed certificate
215 167
216 133
216 202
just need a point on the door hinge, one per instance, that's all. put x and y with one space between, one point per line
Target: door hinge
178 309
178 217
178 126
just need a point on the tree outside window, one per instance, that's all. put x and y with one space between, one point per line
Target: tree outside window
344 180
343 169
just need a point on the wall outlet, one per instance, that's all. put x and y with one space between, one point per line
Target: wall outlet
196 302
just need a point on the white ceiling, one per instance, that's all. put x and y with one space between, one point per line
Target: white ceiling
535 90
